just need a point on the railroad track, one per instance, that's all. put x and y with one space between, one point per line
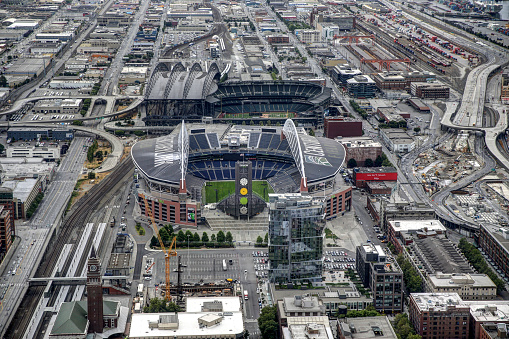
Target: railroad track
74 223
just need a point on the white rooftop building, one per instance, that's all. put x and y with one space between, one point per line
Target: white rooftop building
205 318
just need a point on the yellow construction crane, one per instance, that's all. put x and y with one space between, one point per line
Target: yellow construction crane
171 252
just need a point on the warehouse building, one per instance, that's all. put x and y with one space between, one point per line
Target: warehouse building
66 106
24 133
397 140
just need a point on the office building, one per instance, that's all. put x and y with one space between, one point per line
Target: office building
382 275
342 72
442 315
299 306
365 328
295 238
25 133
504 94
308 36
361 86
424 90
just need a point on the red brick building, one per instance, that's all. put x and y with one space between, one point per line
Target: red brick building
429 91
361 148
278 39
344 127
439 315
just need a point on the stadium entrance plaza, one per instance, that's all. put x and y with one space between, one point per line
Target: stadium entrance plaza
348 230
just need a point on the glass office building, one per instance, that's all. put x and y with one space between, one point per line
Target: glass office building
296 224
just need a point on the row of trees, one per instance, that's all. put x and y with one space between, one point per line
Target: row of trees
167 233
369 311
403 327
262 241
267 323
380 161
358 109
476 259
34 205
91 151
411 277
157 305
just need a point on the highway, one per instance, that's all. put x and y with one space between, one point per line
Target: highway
34 232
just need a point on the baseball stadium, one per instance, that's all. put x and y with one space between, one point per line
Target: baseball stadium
191 92
199 165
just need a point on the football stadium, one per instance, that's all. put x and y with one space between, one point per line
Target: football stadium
176 92
200 165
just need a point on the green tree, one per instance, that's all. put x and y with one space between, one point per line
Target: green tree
352 163
378 161
157 305
169 228
189 235
154 242
266 239
220 236
91 175
3 81
213 237
267 322
181 237
164 235
368 162
229 237
196 237
417 129
311 132
259 240
2 148
205 237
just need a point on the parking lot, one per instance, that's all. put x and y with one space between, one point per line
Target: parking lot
338 261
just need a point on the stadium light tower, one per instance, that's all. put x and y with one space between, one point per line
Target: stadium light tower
183 149
290 133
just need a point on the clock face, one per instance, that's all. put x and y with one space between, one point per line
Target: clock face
243 191
93 268
243 181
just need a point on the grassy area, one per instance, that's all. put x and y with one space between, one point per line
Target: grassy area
329 234
225 188
140 229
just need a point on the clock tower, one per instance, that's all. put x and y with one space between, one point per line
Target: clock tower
94 294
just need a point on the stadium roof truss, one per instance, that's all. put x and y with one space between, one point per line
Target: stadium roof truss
290 132
183 149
